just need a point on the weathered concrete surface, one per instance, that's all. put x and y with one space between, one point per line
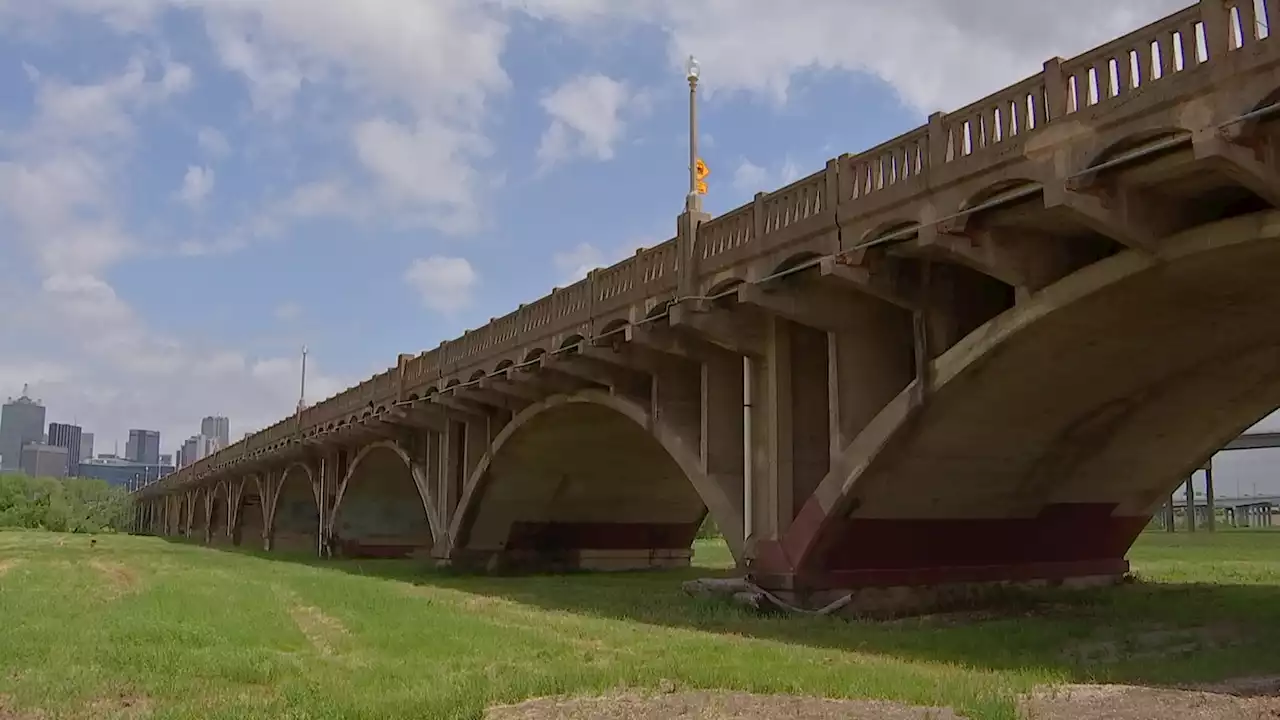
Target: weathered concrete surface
1057 428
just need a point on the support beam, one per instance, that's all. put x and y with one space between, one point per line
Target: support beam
881 278
449 399
1117 213
1244 165
515 391
734 331
587 363
488 398
811 305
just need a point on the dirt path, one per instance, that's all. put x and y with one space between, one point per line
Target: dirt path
1248 699
117 579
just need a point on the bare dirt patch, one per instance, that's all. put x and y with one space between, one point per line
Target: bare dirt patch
7 565
123 706
9 712
117 579
713 706
321 630
1124 702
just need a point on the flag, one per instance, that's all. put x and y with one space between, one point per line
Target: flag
701 169
702 187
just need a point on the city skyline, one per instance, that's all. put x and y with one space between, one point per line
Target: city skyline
79 441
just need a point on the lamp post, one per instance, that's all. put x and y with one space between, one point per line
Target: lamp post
302 391
693 203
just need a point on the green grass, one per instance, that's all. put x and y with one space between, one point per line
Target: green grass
141 625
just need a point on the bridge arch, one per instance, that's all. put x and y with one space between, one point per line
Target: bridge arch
886 228
251 521
382 506
540 491
219 502
199 513
1134 141
294 524
1099 396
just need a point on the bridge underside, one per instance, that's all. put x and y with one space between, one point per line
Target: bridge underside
1054 432
580 487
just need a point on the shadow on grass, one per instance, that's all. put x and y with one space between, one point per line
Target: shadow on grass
1159 634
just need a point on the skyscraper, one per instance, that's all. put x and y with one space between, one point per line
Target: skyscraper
86 445
67 436
218 428
21 422
143 447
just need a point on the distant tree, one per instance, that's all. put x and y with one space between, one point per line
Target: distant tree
708 529
76 505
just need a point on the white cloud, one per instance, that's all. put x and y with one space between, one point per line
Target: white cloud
419 76
586 119
212 142
445 284
424 168
575 263
85 350
196 185
749 177
937 54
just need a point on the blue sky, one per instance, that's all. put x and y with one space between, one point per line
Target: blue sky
190 191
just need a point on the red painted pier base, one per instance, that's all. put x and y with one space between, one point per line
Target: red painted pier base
534 547
897 566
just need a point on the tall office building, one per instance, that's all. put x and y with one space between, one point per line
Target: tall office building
218 428
40 460
143 447
67 436
21 422
195 448
86 446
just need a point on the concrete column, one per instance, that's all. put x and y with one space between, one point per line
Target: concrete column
270 487
433 468
478 433
452 467
722 423
868 365
1191 504
791 424
1211 512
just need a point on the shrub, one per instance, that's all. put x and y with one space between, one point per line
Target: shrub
76 505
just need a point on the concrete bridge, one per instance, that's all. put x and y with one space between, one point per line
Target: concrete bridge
984 351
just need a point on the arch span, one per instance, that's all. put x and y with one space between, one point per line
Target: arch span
382 508
218 505
294 525
250 516
587 481
1055 430
199 513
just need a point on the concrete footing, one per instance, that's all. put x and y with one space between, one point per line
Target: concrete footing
515 562
889 602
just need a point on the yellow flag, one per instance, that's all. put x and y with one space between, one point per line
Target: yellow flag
702 187
701 169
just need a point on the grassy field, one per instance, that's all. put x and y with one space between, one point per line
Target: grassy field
141 627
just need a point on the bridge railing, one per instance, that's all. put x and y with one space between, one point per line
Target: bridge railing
948 146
